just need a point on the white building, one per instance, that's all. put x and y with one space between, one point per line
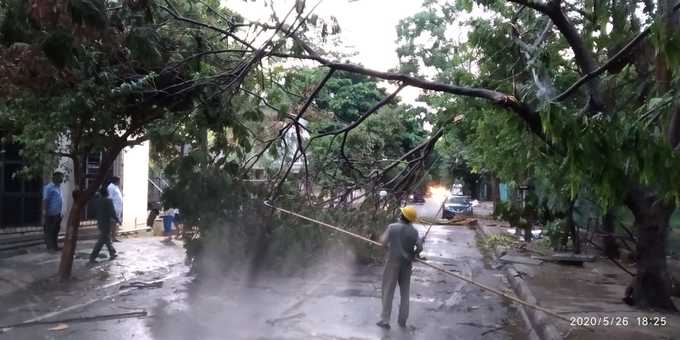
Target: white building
132 166
20 200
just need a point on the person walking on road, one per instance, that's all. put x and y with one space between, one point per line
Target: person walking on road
168 217
117 198
403 245
106 218
179 225
51 210
153 213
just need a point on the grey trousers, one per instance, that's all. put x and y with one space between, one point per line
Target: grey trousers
396 271
51 229
104 240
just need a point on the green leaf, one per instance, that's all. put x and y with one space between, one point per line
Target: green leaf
465 5
59 48
91 12
672 49
144 43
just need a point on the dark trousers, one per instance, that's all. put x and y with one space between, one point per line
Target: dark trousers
51 229
397 271
104 239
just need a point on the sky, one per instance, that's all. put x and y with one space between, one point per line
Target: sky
368 27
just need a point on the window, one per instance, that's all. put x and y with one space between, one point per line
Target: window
458 200
20 198
92 166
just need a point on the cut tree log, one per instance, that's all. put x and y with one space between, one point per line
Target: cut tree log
520 260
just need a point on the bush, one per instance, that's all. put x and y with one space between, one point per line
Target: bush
675 219
556 232
236 229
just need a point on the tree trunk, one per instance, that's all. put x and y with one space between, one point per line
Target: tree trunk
572 229
71 239
494 190
611 247
527 232
73 222
80 198
651 287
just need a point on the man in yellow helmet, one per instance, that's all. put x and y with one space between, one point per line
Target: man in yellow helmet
403 245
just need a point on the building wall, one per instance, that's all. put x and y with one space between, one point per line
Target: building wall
132 166
20 200
65 166
134 182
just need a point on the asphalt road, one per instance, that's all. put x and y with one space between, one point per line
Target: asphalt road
338 301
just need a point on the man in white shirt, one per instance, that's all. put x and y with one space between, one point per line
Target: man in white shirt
117 197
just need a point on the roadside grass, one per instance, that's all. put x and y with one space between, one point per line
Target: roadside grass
491 242
483 247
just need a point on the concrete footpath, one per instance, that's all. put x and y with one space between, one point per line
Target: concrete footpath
590 292
39 267
31 291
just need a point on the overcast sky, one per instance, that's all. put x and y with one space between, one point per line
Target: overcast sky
368 26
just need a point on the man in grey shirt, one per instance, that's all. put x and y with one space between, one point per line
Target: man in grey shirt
403 245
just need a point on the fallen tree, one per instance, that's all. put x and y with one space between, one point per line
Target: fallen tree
622 155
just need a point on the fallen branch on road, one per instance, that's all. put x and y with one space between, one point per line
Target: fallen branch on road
285 318
617 263
474 324
492 330
115 316
141 285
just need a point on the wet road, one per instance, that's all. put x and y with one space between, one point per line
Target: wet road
332 301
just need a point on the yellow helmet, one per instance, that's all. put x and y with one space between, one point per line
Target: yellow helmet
409 212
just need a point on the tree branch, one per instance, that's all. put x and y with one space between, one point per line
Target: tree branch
595 73
314 93
537 5
63 154
177 16
583 57
346 159
530 117
506 101
363 117
422 145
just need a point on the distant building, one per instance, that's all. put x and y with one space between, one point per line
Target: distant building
20 200
457 189
271 126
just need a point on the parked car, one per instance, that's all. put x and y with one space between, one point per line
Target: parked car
417 197
456 205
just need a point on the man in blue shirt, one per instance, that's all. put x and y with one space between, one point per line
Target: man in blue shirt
51 210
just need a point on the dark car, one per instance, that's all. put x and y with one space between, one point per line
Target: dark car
418 198
456 205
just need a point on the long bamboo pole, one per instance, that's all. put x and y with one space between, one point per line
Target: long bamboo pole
441 207
435 267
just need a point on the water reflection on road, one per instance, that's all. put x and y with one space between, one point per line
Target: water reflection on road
330 300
